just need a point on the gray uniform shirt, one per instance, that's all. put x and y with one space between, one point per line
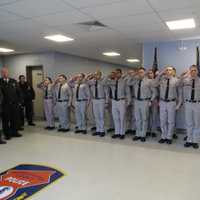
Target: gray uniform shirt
123 90
98 89
187 88
65 94
147 88
174 87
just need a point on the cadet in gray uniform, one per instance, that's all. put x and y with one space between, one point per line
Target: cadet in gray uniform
49 102
99 99
144 96
63 96
191 95
82 101
130 113
120 99
170 101
154 110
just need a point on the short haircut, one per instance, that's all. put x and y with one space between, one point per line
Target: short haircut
119 70
141 68
193 66
21 76
83 75
62 75
49 78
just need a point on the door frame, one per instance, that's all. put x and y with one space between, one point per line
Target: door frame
29 69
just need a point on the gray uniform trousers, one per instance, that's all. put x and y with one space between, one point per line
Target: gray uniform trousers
63 114
49 112
141 116
192 117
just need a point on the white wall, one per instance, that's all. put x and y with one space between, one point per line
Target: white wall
54 64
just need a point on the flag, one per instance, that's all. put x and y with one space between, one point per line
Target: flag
155 62
197 61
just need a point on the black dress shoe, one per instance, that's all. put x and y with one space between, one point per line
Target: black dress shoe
51 128
153 135
17 135
110 130
95 134
175 136
65 130
195 145
143 139
60 129
31 124
122 137
7 138
93 128
2 142
21 129
168 141
47 127
102 134
115 136
77 131
161 141
84 132
136 138
187 144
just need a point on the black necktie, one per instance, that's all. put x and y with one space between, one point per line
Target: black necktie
116 90
131 89
59 92
139 89
193 90
77 91
46 92
96 89
167 90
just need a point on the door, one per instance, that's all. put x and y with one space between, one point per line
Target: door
35 76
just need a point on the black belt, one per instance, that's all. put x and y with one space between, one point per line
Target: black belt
119 99
81 100
65 100
48 98
168 100
192 101
145 99
98 98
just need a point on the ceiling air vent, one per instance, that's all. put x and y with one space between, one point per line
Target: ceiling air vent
92 25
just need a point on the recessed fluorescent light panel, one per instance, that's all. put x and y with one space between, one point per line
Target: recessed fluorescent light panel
59 38
111 54
181 24
5 50
132 60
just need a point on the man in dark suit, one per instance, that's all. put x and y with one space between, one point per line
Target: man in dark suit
28 95
10 106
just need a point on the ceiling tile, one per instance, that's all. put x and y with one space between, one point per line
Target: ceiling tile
7 16
173 4
30 8
64 18
177 14
131 21
119 9
90 3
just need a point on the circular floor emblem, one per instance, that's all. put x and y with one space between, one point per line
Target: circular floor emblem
5 191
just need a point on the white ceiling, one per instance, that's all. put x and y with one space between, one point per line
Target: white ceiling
24 23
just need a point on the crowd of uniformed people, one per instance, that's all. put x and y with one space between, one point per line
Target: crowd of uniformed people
139 102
